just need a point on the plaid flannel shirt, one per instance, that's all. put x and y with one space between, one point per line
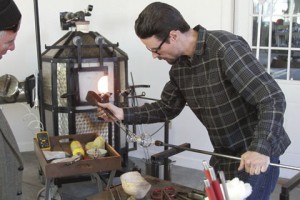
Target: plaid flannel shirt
239 103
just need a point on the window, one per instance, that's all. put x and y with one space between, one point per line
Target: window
276 37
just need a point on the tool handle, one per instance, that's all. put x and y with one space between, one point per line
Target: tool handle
215 184
217 189
207 175
209 191
223 181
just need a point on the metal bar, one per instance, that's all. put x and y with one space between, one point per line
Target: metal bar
111 194
97 178
119 196
47 188
289 186
139 86
166 160
110 179
160 143
37 33
168 153
39 62
259 30
223 181
142 97
74 47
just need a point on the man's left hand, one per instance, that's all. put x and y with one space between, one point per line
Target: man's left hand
254 163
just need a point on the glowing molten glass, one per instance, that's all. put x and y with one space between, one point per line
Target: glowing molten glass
103 84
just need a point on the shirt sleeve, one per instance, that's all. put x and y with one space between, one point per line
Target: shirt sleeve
168 107
258 88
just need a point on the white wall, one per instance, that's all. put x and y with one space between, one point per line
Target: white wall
115 20
292 116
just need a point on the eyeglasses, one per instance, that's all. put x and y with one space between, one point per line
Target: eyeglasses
155 50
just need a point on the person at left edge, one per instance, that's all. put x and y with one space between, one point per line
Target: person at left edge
11 164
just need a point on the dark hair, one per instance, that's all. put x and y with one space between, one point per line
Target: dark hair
159 19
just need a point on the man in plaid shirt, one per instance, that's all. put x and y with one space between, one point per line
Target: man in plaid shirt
226 87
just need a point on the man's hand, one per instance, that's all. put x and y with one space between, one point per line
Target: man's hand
254 163
102 112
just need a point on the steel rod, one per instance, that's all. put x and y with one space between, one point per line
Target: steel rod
160 143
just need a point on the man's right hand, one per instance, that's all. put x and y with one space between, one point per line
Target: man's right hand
116 111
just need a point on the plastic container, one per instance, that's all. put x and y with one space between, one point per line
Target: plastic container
96 153
76 148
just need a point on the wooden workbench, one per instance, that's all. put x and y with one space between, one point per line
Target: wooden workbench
109 163
155 183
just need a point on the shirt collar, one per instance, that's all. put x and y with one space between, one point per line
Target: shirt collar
200 46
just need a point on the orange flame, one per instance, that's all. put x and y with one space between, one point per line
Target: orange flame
103 84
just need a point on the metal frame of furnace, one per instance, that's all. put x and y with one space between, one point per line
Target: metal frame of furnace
65 67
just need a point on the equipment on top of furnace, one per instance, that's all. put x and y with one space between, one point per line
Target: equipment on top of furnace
68 19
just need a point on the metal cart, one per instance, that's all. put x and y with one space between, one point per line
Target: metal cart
93 167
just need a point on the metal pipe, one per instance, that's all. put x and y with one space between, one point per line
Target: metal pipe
223 182
166 160
39 61
160 143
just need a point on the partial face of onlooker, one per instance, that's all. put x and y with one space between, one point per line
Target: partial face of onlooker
10 19
7 42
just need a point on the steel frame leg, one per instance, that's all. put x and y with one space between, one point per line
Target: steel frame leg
288 186
111 178
47 186
96 177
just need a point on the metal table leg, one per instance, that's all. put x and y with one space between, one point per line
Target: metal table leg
96 177
111 178
288 186
48 185
49 192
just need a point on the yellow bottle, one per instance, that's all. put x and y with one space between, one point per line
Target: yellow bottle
76 148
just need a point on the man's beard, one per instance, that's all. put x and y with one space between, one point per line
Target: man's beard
170 61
